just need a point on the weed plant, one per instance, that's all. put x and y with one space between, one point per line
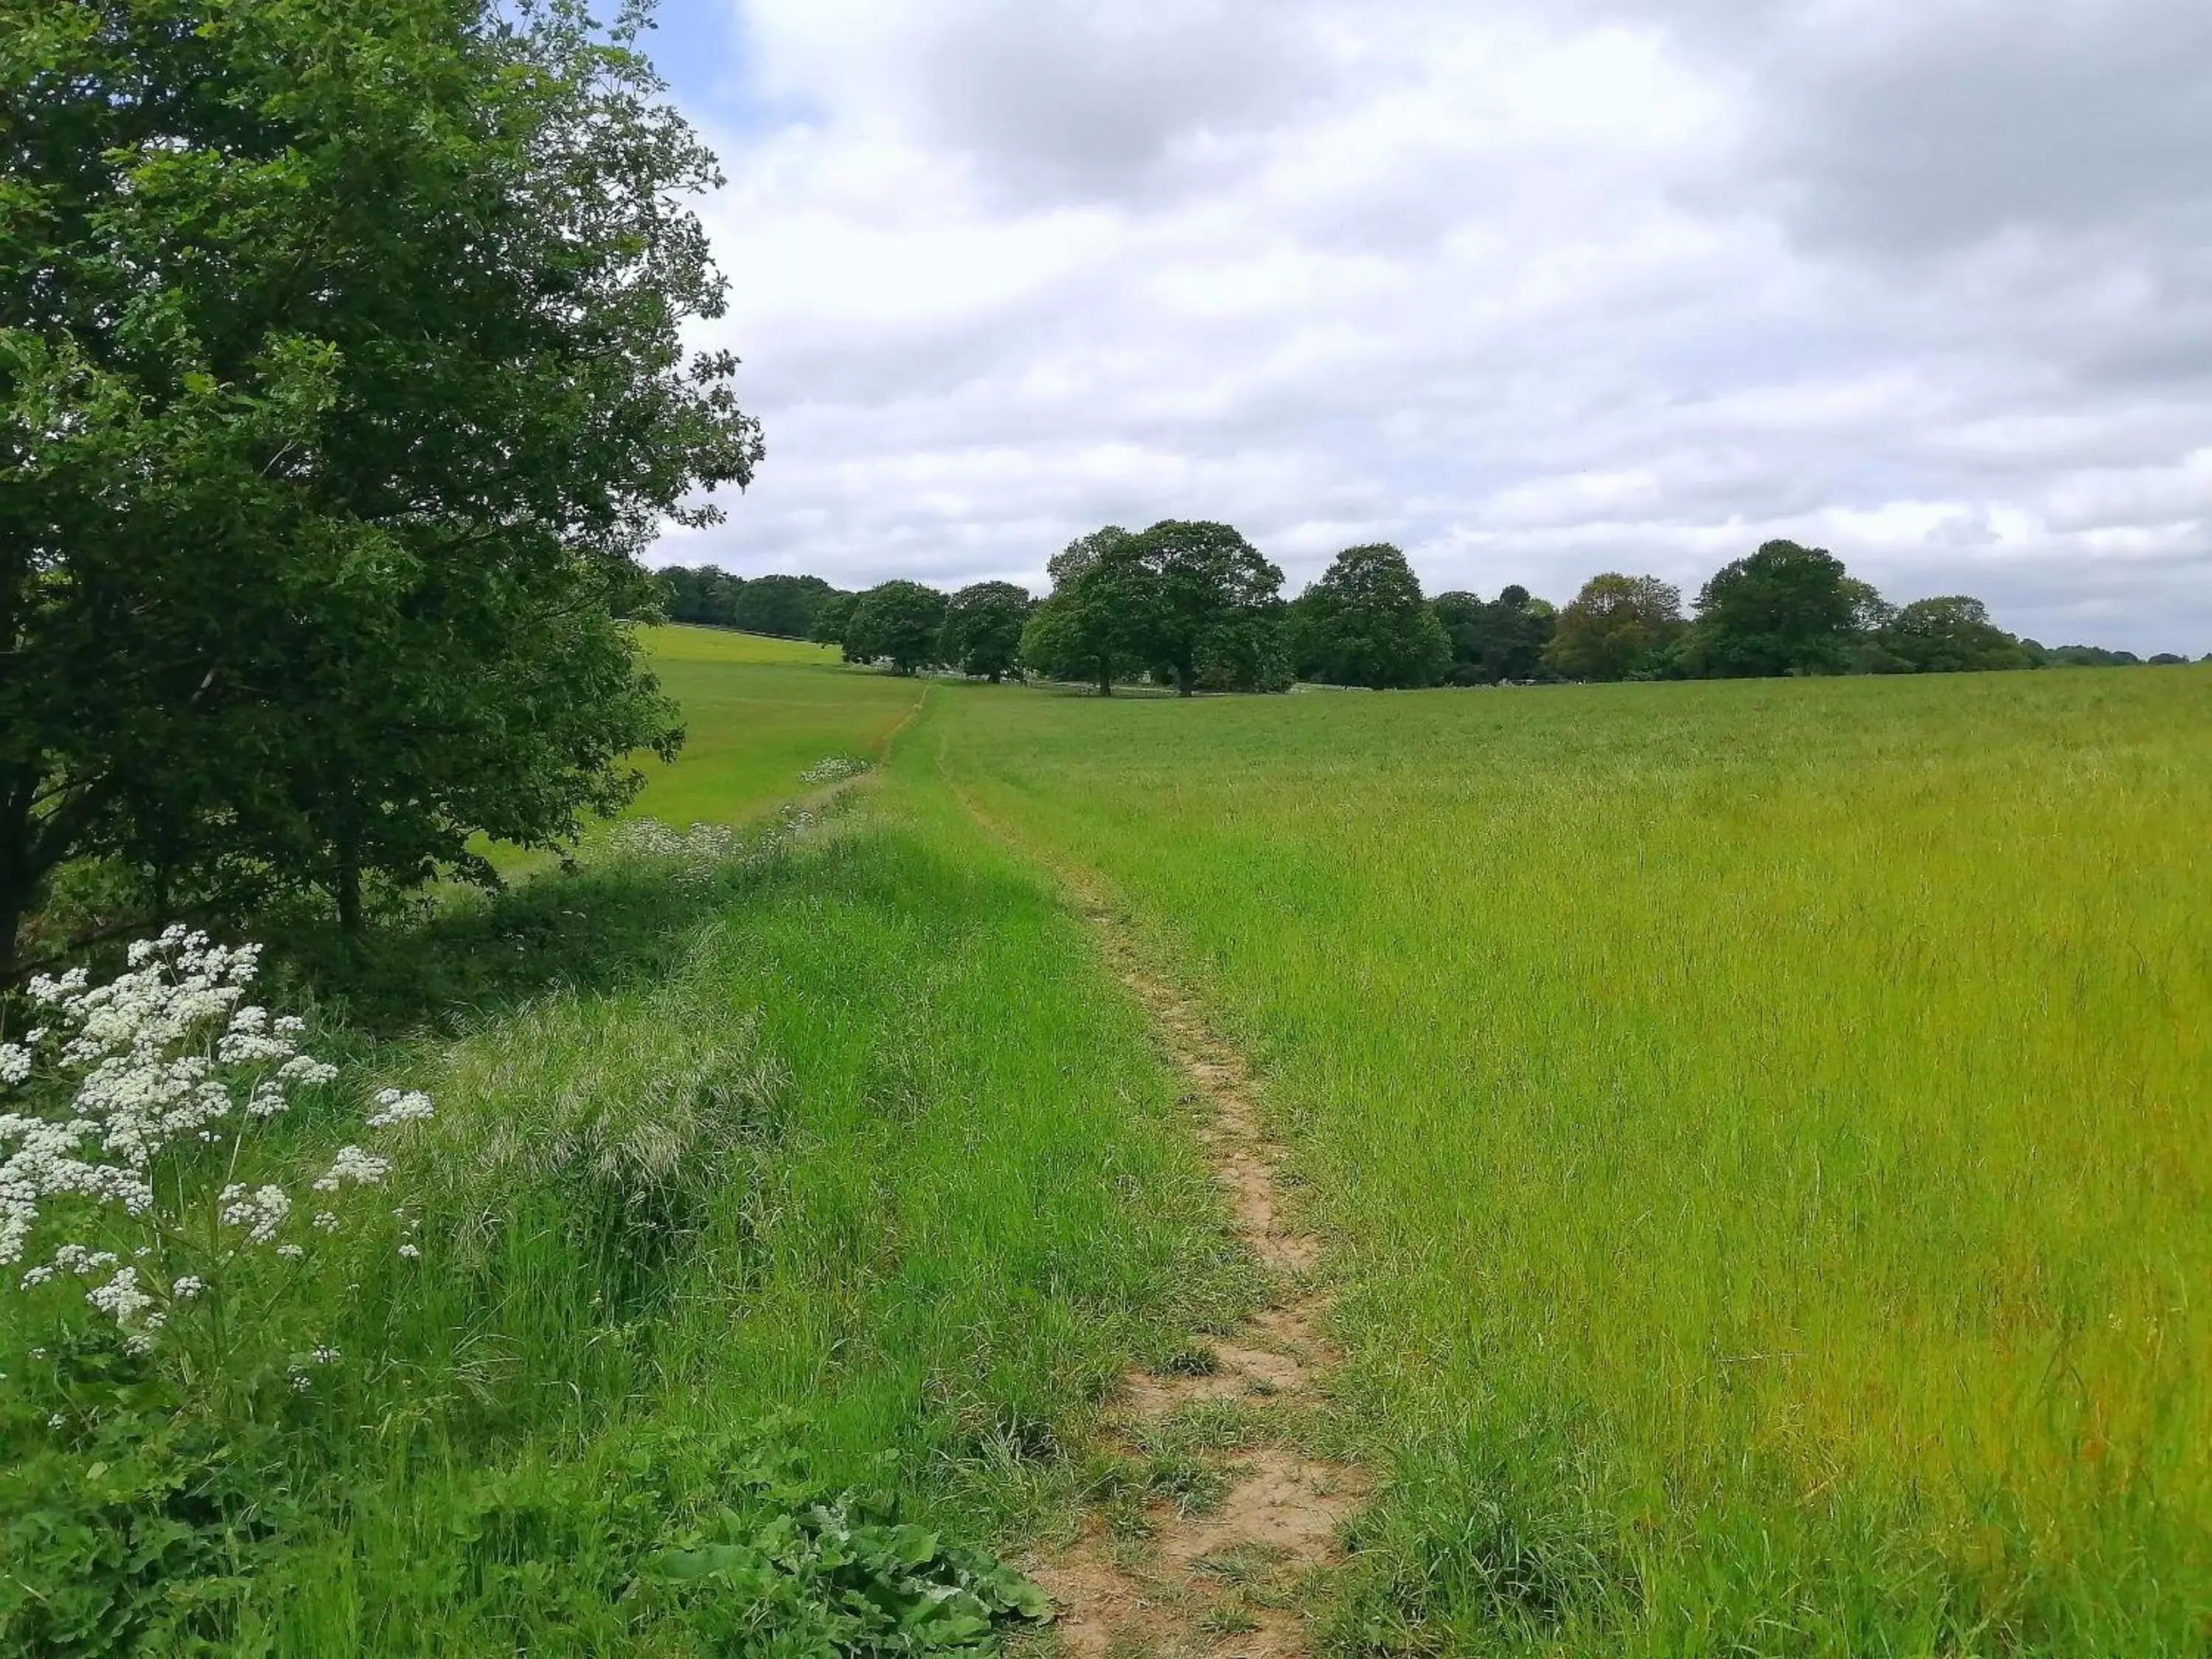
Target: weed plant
1764 1123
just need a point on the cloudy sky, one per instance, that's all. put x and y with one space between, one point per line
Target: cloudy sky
1532 289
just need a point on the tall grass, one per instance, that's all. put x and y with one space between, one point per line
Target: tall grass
1766 1122
805 1180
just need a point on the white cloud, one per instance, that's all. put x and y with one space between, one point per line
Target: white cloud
1533 290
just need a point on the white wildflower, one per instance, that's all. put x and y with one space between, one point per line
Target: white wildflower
291 1252
393 1107
355 1166
409 1251
326 1355
326 1222
833 768
120 1298
168 1054
261 1211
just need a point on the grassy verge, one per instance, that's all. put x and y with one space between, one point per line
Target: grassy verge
1763 1121
786 1183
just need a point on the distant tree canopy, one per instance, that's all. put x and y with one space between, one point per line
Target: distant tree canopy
1951 634
1194 605
830 621
786 606
1783 610
1503 639
982 630
1365 622
898 622
1618 627
341 381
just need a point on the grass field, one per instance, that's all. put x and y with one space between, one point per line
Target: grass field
771 1146
1764 1125
1759 1128
758 712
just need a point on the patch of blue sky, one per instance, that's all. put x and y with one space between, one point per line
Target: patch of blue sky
699 48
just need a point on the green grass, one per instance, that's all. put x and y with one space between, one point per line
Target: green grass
682 642
937 1230
1764 1124
776 1140
758 712
1759 1127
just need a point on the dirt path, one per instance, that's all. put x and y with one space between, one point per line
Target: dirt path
1222 1570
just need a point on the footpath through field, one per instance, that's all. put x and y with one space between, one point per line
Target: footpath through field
1227 1579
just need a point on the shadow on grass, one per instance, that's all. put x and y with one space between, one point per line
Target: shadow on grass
586 929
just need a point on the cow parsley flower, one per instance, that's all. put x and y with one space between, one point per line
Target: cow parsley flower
393 1107
261 1212
168 1054
120 1298
355 1166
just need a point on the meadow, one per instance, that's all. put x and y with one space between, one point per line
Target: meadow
750 733
743 1196
1756 1127
1762 1126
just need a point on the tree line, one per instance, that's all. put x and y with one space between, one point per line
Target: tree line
1194 606
782 605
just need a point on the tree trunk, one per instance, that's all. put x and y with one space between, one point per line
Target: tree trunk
349 897
16 885
12 907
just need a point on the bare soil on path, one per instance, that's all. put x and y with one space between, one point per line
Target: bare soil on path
1225 1571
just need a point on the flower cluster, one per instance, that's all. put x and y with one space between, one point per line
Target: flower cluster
834 768
166 1057
699 854
704 853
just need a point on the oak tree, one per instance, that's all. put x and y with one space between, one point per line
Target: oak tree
982 631
1364 622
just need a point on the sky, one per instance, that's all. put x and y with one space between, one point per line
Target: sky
1532 289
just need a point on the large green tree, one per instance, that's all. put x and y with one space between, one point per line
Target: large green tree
1952 634
1364 622
1616 627
781 605
341 381
1097 623
706 596
1216 607
899 622
1783 610
982 632
830 620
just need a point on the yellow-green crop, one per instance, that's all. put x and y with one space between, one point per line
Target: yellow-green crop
1764 1124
